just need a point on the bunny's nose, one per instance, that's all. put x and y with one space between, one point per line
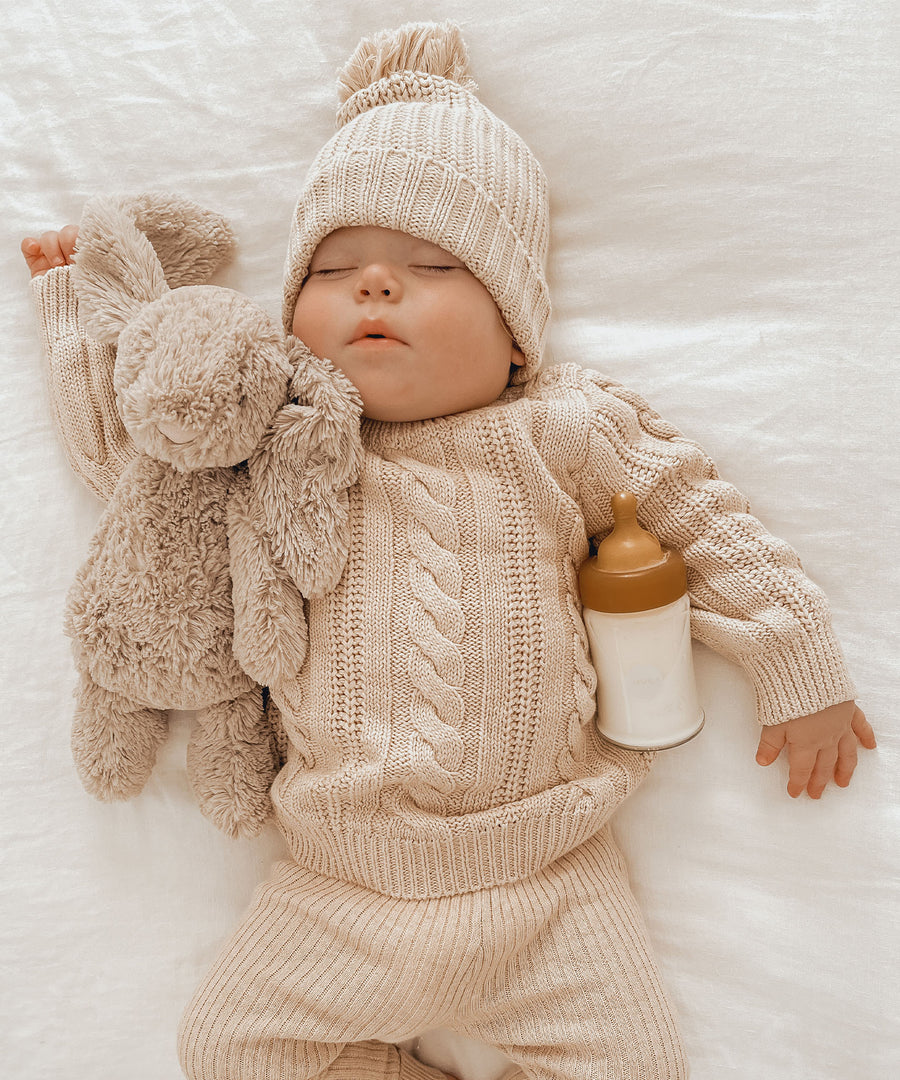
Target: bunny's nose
177 433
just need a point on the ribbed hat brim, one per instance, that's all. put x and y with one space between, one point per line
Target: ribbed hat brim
397 189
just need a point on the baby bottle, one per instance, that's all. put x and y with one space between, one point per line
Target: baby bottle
637 614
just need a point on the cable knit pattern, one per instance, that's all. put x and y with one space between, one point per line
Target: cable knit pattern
441 726
436 627
466 754
571 761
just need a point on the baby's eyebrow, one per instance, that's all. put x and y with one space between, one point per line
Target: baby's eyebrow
434 255
331 259
329 250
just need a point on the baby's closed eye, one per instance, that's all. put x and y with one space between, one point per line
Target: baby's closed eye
331 271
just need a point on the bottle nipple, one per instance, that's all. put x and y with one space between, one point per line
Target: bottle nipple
631 571
628 547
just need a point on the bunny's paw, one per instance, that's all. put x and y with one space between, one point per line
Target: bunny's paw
114 742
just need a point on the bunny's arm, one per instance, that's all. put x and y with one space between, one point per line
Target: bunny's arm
301 472
288 525
269 616
80 380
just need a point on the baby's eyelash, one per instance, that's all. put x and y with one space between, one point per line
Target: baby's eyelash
333 271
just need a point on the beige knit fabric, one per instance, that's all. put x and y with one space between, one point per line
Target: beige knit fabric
80 381
555 971
443 754
418 152
442 727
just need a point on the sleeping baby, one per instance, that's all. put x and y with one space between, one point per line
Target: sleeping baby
447 795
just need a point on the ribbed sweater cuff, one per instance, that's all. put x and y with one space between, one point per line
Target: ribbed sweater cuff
80 386
810 677
56 304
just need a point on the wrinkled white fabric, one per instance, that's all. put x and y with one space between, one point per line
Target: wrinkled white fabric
725 211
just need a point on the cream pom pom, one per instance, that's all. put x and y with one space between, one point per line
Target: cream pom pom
434 48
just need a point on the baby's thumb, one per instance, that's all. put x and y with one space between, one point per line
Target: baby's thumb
771 743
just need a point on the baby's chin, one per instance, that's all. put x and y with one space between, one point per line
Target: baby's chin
398 416
403 408
391 416
403 402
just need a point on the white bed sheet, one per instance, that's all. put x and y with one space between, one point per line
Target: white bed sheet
724 180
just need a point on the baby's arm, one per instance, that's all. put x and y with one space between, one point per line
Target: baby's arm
79 369
750 599
50 250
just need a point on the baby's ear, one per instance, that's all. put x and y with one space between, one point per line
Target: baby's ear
116 271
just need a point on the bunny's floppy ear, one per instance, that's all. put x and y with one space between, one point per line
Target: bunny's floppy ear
302 469
131 250
116 269
190 241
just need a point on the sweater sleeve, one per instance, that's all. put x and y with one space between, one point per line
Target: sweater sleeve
80 380
750 599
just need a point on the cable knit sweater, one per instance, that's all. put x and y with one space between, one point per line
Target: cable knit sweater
441 730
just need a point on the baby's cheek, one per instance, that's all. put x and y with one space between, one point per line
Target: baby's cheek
310 320
298 327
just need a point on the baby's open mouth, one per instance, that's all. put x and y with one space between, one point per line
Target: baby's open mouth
387 340
375 330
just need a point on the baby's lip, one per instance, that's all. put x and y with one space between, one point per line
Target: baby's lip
375 330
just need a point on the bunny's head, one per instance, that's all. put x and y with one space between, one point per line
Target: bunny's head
200 370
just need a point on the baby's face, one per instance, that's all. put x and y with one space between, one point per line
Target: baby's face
406 322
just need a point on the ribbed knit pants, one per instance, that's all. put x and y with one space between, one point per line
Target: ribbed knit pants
322 976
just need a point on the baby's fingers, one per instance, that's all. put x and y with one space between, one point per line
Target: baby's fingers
823 772
847 760
863 730
52 251
34 256
771 743
802 766
68 237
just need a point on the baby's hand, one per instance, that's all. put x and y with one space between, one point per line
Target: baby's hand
821 747
52 249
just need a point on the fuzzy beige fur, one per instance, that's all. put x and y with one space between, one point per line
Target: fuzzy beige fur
201 372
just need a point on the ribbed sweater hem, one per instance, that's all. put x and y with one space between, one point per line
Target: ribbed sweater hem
452 861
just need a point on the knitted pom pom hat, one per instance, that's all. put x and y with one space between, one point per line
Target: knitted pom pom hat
416 151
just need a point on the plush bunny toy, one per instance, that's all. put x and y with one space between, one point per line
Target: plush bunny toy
200 374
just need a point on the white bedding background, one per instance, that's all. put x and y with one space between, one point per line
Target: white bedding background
725 192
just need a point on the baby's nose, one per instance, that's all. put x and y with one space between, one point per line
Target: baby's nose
378 279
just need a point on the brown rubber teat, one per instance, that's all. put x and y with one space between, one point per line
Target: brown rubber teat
631 570
628 546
